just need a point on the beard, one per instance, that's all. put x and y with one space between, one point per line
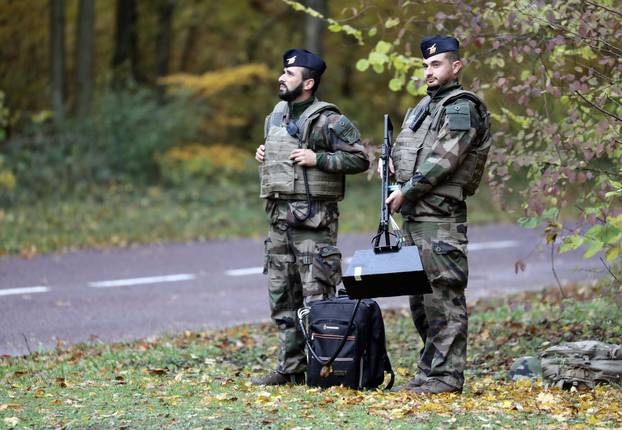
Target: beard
290 95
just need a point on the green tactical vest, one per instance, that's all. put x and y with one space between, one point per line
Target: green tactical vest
280 177
413 147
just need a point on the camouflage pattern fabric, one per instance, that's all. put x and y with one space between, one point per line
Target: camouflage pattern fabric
335 140
337 143
302 261
452 144
303 265
441 317
436 224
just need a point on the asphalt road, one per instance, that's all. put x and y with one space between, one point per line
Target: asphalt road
125 294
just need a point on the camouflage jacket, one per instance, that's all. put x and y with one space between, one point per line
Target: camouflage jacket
447 152
338 155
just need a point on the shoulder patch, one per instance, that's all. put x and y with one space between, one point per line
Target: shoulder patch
345 130
459 115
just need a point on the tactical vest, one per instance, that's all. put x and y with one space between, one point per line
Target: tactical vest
280 177
414 145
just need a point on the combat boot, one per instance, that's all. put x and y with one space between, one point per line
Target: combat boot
276 378
415 382
435 386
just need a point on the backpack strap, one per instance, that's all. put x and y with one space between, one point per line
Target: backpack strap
389 370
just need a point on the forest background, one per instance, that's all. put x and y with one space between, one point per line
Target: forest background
135 121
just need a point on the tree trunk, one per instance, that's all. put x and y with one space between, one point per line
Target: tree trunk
164 36
125 59
314 27
57 58
84 55
188 49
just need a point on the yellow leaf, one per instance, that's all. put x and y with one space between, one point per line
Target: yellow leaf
402 371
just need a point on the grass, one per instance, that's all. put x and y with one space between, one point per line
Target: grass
200 380
125 216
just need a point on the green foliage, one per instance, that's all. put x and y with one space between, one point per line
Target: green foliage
7 182
4 117
119 216
206 166
550 73
118 142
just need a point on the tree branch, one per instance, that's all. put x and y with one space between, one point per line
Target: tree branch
559 284
595 106
615 12
609 269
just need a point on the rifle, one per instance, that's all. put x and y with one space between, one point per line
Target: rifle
388 269
383 227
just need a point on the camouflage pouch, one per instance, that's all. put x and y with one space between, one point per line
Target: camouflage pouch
327 265
582 364
321 214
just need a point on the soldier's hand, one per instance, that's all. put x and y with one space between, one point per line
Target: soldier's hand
303 157
391 168
395 201
260 153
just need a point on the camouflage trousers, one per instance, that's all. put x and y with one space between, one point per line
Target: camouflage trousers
441 316
303 265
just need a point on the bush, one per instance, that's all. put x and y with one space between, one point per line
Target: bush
195 163
118 142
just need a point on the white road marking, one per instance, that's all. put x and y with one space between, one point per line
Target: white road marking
24 290
244 272
472 247
493 245
142 281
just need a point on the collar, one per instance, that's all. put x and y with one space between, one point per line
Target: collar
296 109
439 93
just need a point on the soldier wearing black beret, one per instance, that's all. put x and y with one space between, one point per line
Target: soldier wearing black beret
309 147
449 131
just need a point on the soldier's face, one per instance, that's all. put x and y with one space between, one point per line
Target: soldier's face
292 85
438 70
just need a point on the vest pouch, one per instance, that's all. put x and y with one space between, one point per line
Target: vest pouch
404 155
321 214
277 177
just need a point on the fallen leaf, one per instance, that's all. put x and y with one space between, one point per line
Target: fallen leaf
11 421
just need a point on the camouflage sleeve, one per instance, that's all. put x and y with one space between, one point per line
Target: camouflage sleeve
454 141
340 144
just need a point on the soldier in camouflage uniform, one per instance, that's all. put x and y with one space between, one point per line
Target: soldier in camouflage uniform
438 160
309 147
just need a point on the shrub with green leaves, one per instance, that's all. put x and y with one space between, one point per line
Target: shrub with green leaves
117 143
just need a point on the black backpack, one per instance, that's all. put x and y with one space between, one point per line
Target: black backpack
345 343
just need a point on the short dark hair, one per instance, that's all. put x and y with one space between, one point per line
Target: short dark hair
453 56
312 74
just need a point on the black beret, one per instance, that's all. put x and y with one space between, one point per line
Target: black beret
303 58
438 44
